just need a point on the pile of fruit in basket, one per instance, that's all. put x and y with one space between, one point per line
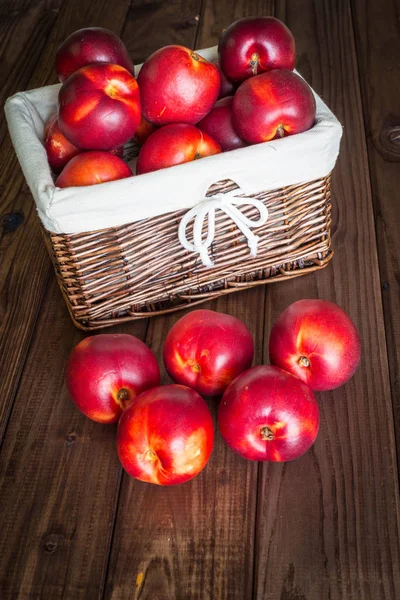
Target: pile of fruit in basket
181 107
267 412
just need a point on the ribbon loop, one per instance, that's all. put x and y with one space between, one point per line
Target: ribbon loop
228 203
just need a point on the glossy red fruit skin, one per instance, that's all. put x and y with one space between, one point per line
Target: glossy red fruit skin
253 45
166 436
218 124
91 168
106 372
177 85
173 145
206 350
273 105
268 414
227 87
118 151
316 341
99 107
58 149
91 45
49 123
144 131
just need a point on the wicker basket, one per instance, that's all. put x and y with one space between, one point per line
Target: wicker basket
140 268
116 275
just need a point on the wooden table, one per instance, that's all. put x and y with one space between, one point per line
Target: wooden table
72 524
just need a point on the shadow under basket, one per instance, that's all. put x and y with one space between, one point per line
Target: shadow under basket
139 270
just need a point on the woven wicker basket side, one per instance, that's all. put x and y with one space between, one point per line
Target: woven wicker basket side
140 269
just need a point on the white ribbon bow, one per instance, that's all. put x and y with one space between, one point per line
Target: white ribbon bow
227 203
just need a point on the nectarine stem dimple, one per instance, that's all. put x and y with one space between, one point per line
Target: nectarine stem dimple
195 56
123 396
267 434
303 361
280 131
254 60
151 455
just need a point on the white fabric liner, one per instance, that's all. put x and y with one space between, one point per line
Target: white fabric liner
266 166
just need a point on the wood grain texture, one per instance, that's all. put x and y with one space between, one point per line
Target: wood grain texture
323 527
25 266
19 301
59 476
194 540
152 24
24 273
377 35
32 22
328 524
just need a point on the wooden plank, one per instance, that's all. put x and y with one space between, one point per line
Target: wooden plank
25 266
376 27
22 282
59 476
151 26
32 22
24 272
328 524
194 540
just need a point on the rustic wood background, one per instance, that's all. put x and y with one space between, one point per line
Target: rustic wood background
72 524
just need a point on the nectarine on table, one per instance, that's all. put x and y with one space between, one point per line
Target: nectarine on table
206 350
268 414
316 341
166 435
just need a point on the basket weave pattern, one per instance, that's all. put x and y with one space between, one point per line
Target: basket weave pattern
141 269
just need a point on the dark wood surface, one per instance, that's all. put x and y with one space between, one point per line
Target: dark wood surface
72 524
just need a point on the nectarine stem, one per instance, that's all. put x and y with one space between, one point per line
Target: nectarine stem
123 396
280 131
150 455
195 56
254 60
303 361
267 434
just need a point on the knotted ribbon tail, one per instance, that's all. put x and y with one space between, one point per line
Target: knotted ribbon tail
252 242
228 204
205 259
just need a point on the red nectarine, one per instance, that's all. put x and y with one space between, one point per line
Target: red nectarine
166 435
253 45
316 341
272 105
106 372
173 145
90 168
218 124
206 350
91 45
268 414
99 107
177 85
